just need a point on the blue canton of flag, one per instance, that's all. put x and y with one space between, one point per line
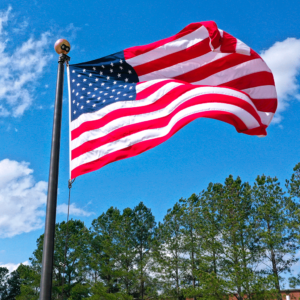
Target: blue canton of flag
100 82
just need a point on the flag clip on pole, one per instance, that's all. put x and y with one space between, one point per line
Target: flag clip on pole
62 47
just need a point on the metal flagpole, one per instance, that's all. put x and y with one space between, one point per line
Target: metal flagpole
62 47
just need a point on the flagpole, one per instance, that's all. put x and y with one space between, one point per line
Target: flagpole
62 47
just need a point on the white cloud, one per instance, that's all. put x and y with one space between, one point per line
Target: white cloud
12 267
4 18
75 211
22 200
283 58
21 68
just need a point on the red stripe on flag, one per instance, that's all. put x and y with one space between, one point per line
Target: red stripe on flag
138 50
251 80
228 44
194 51
265 105
219 65
211 27
146 145
164 121
153 88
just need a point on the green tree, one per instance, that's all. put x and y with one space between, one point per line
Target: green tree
143 238
73 272
213 285
3 281
238 235
100 292
169 253
127 252
30 283
13 286
293 185
192 242
277 238
104 249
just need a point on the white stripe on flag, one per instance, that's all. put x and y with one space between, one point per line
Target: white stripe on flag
265 117
182 43
262 92
130 120
242 48
243 69
149 134
184 67
123 104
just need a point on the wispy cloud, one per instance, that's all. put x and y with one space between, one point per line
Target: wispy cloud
283 58
21 27
22 200
12 267
74 210
4 15
20 68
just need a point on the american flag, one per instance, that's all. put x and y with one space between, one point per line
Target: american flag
131 101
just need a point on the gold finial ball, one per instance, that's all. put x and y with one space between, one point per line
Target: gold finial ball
62 46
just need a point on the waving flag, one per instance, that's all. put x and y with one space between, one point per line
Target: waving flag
131 101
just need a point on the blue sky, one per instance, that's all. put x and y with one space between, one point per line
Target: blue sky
204 151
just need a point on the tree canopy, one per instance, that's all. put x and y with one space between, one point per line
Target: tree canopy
233 239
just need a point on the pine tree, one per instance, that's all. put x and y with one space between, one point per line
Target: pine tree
30 283
143 239
71 274
213 285
237 238
13 286
276 237
127 252
169 253
104 249
192 243
3 281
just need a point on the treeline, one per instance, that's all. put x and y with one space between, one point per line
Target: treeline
232 240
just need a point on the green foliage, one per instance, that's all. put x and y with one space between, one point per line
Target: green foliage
3 281
13 286
277 238
100 292
168 252
143 240
30 282
231 240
